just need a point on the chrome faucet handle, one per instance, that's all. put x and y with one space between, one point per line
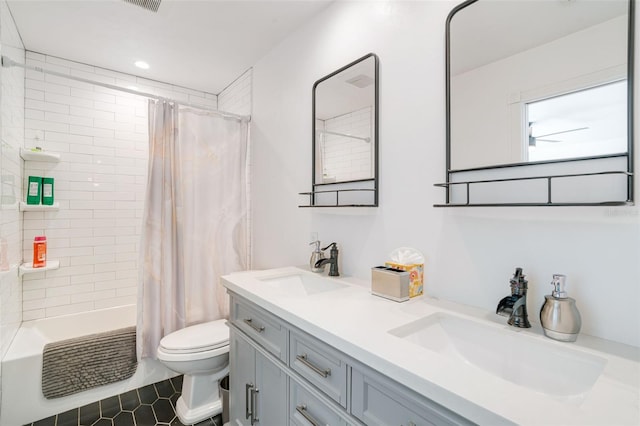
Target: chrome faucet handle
518 283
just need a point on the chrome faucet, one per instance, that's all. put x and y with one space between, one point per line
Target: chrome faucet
515 306
332 260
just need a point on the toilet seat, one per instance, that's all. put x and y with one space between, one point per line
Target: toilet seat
164 355
199 338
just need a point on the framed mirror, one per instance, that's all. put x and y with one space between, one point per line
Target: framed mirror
345 136
534 85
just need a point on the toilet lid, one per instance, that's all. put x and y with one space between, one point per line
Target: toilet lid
197 338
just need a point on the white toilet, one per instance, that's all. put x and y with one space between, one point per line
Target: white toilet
201 353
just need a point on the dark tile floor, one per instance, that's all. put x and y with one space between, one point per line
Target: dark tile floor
152 405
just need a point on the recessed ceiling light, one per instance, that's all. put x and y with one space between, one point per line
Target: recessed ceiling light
141 64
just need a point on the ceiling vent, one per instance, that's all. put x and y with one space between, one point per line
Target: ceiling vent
151 5
361 81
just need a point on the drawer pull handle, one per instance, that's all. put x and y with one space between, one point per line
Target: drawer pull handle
303 359
249 322
302 409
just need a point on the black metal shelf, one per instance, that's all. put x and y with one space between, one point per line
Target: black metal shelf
312 195
602 204
549 202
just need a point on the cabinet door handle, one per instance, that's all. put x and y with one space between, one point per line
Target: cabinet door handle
249 322
254 417
303 359
248 412
302 409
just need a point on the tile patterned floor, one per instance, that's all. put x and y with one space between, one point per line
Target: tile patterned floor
152 405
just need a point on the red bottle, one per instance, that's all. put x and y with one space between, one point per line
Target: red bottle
40 251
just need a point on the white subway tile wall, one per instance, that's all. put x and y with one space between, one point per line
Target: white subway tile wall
348 158
100 183
12 135
236 97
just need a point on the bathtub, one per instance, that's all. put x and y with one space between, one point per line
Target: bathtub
22 399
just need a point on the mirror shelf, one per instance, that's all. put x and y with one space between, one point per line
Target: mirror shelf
548 180
335 194
341 195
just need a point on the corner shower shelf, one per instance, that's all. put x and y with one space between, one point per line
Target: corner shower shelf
29 155
27 268
24 207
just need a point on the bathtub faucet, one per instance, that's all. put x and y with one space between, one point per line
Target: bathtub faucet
515 306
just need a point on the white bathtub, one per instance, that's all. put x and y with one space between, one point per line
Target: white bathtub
22 399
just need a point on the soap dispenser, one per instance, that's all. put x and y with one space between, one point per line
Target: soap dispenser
559 315
315 257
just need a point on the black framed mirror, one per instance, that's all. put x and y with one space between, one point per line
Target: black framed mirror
539 103
345 137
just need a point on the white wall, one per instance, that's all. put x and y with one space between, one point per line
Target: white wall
100 183
471 253
12 133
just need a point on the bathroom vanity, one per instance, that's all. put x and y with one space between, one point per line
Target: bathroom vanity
307 349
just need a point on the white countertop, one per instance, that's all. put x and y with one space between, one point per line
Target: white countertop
357 323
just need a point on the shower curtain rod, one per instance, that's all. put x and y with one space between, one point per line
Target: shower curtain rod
327 132
8 62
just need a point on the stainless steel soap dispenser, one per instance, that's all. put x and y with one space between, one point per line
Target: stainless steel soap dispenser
315 257
559 315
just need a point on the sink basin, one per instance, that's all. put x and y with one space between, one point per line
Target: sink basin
303 284
537 365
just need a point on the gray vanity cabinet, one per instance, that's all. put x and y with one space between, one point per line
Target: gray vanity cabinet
306 408
280 375
377 400
324 367
258 386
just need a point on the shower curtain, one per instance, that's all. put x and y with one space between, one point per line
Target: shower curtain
195 218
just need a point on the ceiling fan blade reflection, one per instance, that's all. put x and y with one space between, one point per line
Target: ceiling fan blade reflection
561 132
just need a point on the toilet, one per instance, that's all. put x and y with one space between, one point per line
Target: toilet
201 353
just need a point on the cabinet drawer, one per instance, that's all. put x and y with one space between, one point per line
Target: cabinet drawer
265 329
321 365
377 400
307 410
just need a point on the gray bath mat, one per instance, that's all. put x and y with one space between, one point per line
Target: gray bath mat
74 365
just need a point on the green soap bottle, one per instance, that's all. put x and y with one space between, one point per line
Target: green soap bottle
34 189
47 191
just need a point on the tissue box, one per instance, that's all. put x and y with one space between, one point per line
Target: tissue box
416 276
